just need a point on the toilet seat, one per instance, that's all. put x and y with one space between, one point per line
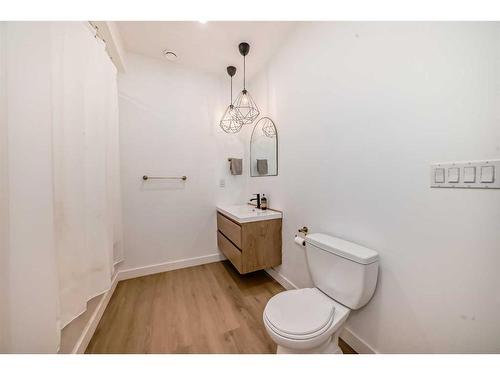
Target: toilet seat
300 314
297 336
303 318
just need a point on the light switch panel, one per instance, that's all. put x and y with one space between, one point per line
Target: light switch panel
453 174
479 174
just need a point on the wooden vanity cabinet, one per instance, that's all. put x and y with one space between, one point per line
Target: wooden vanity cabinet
250 246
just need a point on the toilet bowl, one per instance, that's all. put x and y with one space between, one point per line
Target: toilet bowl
310 320
304 320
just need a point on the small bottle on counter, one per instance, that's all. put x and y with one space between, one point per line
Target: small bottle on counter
263 202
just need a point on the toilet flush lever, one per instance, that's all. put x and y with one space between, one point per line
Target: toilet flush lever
304 230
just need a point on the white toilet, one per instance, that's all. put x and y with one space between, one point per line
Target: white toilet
310 320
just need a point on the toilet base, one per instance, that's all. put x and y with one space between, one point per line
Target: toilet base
331 346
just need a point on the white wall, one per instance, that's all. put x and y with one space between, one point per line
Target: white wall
168 127
361 112
32 315
4 200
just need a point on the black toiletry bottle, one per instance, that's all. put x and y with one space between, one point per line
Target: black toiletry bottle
263 202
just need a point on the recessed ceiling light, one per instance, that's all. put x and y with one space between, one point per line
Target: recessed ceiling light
169 55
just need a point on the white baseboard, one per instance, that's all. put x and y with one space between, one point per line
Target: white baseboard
347 335
168 266
90 327
355 342
131 273
285 283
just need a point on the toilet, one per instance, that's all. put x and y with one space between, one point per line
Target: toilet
310 320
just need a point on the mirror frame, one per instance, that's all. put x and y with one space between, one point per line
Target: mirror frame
277 148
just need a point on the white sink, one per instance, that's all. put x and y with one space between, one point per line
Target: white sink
246 213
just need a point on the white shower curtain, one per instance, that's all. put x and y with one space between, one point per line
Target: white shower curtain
87 206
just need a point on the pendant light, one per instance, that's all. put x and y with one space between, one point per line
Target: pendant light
268 127
228 122
246 110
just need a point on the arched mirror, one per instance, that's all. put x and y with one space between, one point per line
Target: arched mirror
264 149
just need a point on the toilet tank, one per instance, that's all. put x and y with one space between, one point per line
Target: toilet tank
343 270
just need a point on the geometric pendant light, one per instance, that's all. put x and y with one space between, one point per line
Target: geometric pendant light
228 122
245 109
268 127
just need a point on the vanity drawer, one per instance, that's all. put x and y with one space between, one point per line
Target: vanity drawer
230 251
230 229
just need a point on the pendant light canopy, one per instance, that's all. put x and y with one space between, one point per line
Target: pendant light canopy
245 109
228 122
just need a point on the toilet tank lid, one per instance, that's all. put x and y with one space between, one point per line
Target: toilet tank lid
343 248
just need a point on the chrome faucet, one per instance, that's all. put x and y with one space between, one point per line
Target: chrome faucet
256 199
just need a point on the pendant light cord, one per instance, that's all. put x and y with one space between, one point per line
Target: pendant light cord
231 90
244 72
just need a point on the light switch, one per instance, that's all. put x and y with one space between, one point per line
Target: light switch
439 175
478 174
470 174
453 174
487 173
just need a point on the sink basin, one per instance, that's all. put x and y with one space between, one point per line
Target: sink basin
246 213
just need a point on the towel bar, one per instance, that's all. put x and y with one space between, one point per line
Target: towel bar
183 178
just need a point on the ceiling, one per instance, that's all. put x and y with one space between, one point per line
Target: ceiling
208 47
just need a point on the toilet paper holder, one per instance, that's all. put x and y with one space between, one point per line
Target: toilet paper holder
301 240
303 230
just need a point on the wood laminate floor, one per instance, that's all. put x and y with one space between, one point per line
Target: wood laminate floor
203 309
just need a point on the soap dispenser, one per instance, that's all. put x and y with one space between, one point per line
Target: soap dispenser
263 202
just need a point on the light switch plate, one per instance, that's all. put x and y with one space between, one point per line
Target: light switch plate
483 174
